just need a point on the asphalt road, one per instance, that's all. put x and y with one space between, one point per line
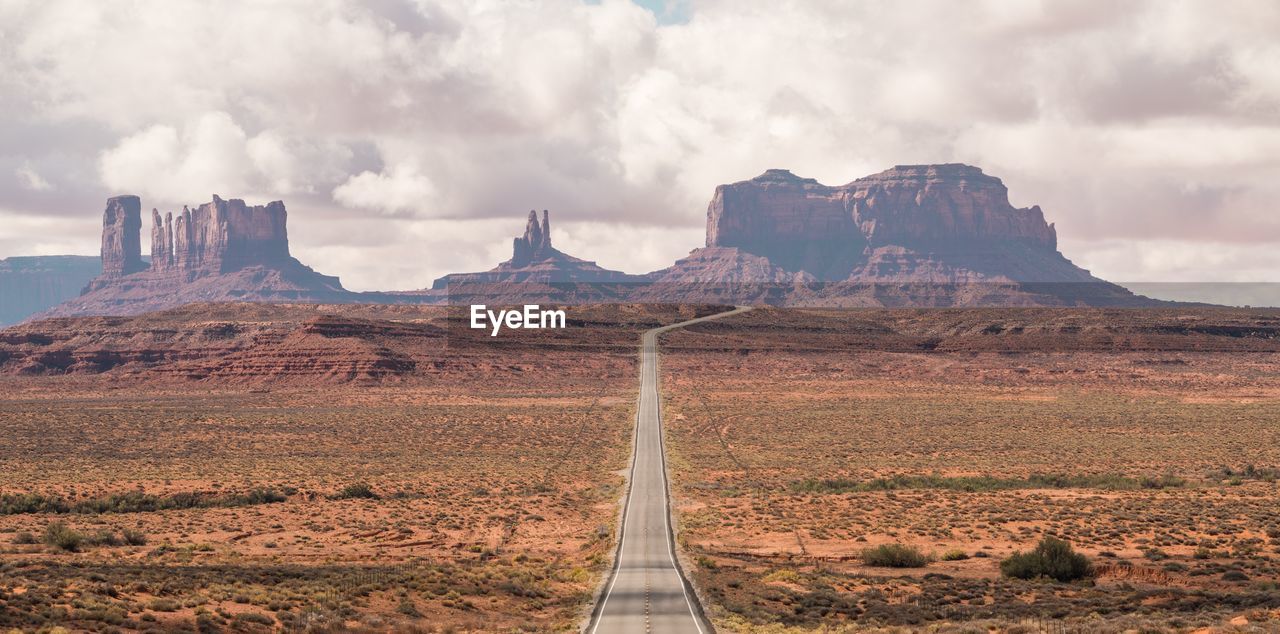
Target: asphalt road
647 591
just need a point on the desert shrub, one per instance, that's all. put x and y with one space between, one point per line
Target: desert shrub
254 617
60 536
134 502
955 555
1249 472
1167 481
1109 481
13 504
255 496
784 575
894 556
1155 554
1052 558
134 537
164 605
24 538
357 490
104 537
1234 575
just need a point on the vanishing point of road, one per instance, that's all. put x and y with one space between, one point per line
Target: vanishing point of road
647 591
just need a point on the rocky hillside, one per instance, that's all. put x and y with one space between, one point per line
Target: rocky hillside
251 343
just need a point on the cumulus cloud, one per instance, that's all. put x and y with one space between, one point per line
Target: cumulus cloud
398 191
1153 122
212 154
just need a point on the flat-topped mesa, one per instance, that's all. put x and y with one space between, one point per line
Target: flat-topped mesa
798 223
801 222
121 243
219 237
535 244
922 204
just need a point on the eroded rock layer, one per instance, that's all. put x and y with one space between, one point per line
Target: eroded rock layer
914 235
533 261
224 250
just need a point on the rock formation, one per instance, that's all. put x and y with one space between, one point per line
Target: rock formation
946 204
943 234
219 237
224 250
914 235
534 261
802 225
535 244
121 244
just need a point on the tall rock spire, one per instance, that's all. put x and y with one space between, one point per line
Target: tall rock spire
546 231
535 244
122 236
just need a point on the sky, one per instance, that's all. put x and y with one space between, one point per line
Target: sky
409 138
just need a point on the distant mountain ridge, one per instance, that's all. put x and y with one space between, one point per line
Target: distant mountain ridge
30 284
913 235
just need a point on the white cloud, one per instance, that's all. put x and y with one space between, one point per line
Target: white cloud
208 155
1150 120
29 178
401 190
212 154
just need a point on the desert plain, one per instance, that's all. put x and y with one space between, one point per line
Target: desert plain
264 468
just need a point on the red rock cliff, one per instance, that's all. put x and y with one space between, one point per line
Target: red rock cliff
931 203
904 205
219 237
801 224
121 244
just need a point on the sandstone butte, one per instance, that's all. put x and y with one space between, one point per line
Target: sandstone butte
223 250
914 235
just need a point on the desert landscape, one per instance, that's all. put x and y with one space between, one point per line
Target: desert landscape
640 317
837 470
257 468
868 470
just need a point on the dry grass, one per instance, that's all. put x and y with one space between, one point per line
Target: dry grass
481 509
790 463
477 494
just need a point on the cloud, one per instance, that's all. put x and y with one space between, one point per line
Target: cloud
208 155
1150 122
401 190
213 154
29 178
